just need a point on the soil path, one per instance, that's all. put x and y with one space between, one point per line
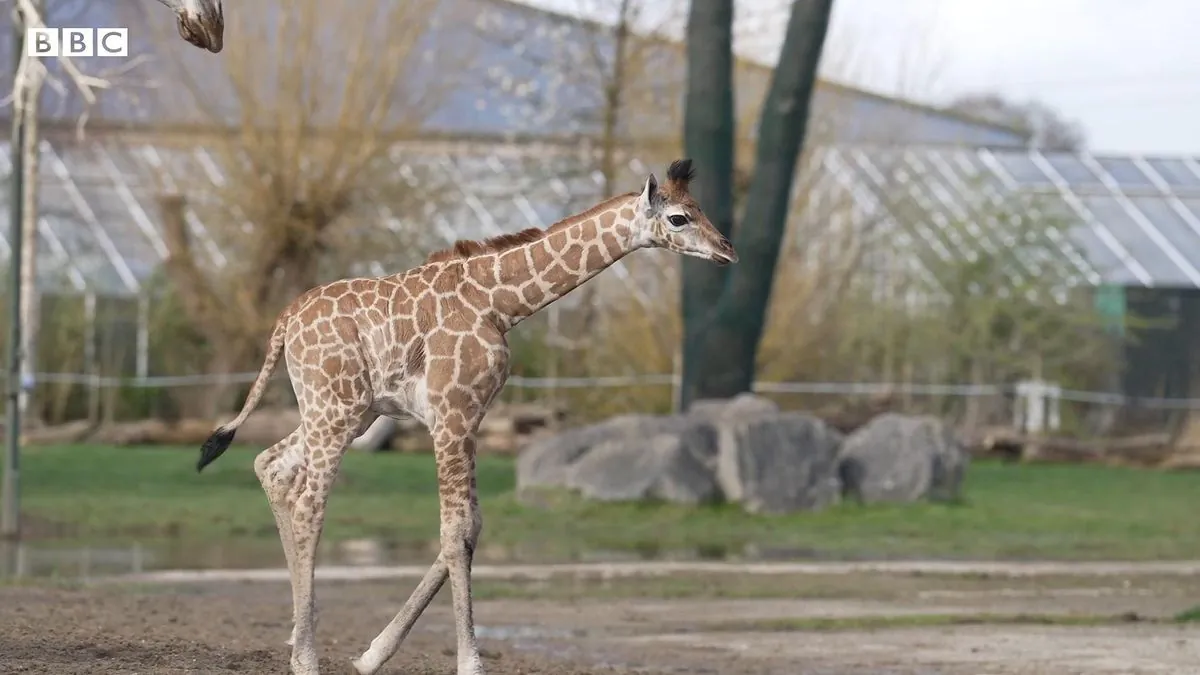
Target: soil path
179 623
663 568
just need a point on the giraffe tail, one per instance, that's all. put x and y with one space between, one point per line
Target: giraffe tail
222 437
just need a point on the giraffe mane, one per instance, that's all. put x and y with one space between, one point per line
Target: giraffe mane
467 248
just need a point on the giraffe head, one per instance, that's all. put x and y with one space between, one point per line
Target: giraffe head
200 22
670 218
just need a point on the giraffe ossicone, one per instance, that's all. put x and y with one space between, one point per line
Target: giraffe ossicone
430 343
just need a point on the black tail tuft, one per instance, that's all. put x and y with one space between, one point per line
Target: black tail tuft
215 446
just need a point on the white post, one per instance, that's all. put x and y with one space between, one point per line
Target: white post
143 335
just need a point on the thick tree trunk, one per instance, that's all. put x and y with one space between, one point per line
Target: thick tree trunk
725 314
708 138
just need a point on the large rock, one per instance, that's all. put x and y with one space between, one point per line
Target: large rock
741 450
899 458
742 406
663 467
545 462
778 463
550 462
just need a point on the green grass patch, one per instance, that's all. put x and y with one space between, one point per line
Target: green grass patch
857 623
109 494
1189 615
874 586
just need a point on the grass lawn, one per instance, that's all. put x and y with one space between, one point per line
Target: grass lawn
1044 512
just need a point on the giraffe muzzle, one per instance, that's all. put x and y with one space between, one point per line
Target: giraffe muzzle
724 253
203 25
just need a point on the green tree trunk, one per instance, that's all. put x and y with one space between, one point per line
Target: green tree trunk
708 137
725 311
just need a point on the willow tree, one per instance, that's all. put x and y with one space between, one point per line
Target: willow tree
303 126
725 309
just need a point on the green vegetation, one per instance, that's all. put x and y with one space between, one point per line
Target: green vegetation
852 623
1189 615
866 586
1011 511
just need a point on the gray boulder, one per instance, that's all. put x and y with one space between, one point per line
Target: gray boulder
900 458
546 462
664 467
741 406
778 463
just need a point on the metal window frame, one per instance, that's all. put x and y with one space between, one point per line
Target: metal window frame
60 170
1142 220
1131 264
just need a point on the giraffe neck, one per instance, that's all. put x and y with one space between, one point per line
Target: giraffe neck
527 278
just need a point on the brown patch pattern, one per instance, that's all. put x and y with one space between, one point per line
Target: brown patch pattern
427 343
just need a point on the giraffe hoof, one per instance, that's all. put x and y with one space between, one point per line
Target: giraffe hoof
360 667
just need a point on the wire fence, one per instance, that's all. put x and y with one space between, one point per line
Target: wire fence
666 380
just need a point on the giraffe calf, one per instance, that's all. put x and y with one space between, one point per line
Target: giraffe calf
430 343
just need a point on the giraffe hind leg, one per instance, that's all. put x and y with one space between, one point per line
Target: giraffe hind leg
326 439
385 645
277 468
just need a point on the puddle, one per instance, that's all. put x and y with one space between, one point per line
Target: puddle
72 559
512 633
75 559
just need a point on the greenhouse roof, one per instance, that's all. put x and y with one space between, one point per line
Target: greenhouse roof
1133 220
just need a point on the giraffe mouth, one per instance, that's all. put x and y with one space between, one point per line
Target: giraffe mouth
203 25
722 260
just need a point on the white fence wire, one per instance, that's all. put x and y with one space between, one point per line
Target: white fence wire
653 380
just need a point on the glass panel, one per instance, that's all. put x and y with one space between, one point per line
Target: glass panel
1172 225
1192 204
1101 258
1022 169
1074 171
81 165
1109 212
1175 172
972 173
1125 172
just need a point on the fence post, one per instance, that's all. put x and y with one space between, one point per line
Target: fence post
1037 408
10 504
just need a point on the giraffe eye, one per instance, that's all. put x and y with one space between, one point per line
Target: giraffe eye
677 220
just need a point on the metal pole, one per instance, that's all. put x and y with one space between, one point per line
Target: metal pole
10 521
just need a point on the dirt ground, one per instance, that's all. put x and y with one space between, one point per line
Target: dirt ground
239 627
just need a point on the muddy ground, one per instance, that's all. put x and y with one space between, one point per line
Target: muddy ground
848 624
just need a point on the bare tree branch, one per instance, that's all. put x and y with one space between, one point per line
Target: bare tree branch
32 73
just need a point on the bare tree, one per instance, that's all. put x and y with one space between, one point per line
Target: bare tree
1047 128
308 172
65 76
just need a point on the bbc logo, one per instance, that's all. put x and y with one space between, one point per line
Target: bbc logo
47 42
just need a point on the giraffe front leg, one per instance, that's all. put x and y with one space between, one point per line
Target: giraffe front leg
461 523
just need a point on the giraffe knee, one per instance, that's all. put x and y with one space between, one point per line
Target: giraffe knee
476 525
460 534
262 464
276 471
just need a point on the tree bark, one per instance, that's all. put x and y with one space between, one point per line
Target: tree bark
708 137
721 338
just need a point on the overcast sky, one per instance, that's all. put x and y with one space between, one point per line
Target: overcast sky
1128 71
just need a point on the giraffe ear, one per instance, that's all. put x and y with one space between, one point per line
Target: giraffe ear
649 193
